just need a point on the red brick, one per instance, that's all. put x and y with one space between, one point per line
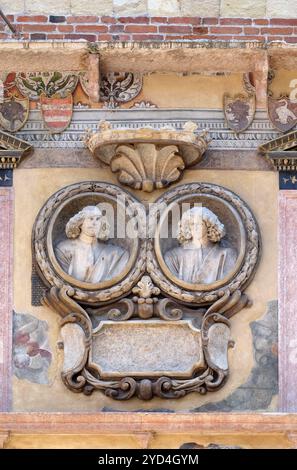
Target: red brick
38 27
210 20
116 28
291 39
55 36
178 37
108 19
10 18
66 28
82 19
225 30
91 28
261 21
147 37
200 30
38 36
105 37
3 36
251 30
32 19
132 19
87 37
124 37
141 29
191 37
159 19
221 38
284 21
281 31
175 29
250 38
184 20
233 21
274 38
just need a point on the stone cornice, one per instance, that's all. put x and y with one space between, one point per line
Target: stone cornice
150 56
83 120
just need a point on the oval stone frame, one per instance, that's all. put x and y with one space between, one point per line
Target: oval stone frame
48 265
248 253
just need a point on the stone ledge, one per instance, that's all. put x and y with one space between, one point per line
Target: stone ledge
128 422
145 57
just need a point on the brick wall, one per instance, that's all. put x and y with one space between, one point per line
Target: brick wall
144 28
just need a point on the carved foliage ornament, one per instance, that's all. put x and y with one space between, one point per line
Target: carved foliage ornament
34 84
120 87
110 309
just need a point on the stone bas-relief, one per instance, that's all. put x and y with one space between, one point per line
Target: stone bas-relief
200 258
93 269
127 334
83 256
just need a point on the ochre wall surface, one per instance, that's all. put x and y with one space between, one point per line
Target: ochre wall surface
166 441
34 186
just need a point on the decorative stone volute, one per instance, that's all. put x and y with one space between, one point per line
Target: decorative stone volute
147 158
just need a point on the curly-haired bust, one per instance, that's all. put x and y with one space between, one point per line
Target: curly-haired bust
84 255
200 258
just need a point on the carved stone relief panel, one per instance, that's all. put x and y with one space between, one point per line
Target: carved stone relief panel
213 248
145 293
77 244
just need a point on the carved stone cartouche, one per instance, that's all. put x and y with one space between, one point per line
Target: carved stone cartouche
148 331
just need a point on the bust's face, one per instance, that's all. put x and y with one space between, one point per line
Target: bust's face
199 228
91 224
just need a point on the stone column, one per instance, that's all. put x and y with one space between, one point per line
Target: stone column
288 300
6 279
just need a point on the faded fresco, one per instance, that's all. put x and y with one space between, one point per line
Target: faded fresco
31 353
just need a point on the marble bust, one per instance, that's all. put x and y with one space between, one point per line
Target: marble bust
200 258
85 255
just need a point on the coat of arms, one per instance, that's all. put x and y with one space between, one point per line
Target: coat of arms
56 112
14 113
239 111
282 113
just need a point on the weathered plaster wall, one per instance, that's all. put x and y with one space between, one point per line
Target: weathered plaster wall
34 186
226 8
168 90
